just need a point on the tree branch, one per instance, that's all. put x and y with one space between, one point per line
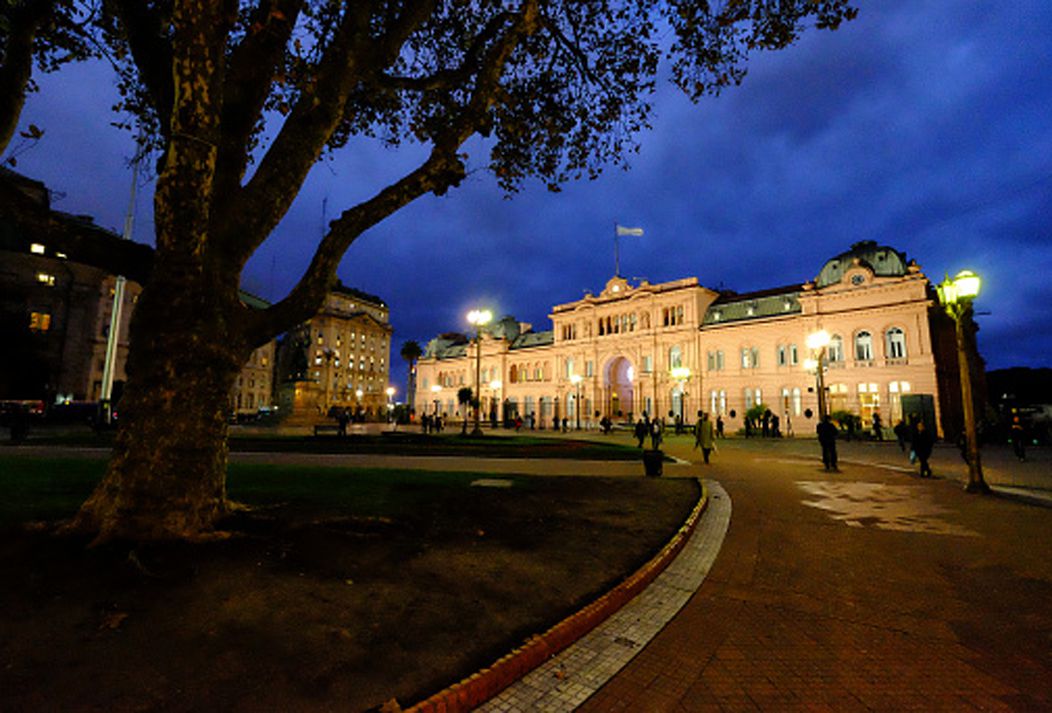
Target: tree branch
438 173
245 218
152 51
250 73
25 21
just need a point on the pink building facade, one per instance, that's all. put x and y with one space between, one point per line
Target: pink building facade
675 348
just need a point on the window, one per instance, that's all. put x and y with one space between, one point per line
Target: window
755 358
718 401
794 355
589 369
569 367
836 348
863 346
36 248
896 343
39 321
746 358
781 356
796 401
513 374
648 364
753 397
46 279
675 357
710 361
719 360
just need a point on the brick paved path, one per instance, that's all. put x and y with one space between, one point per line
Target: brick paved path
885 592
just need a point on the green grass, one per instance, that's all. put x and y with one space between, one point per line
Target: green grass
53 488
410 442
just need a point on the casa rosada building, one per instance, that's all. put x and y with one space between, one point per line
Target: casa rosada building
678 347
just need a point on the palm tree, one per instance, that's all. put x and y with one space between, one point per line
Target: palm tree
411 351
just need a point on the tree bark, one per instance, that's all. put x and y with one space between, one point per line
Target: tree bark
166 477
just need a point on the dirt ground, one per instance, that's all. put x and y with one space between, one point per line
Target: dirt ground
307 608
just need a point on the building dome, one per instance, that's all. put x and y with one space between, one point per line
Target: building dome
884 261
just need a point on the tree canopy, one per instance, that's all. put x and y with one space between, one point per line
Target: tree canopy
241 98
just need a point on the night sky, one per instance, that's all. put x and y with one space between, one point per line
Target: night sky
924 124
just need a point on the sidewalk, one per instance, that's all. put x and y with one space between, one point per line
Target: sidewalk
867 589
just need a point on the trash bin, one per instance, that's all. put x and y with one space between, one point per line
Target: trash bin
652 461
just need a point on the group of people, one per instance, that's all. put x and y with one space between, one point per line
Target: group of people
917 435
768 424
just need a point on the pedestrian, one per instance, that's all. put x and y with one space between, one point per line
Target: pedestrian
655 434
765 424
923 442
776 430
901 432
1018 438
640 432
566 424
878 430
704 435
827 433
748 427
719 425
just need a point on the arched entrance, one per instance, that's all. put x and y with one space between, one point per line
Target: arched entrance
617 387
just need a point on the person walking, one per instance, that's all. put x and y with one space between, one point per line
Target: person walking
1018 438
656 429
923 443
641 432
719 425
704 435
878 427
827 433
901 432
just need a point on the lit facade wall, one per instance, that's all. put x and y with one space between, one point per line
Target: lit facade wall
740 350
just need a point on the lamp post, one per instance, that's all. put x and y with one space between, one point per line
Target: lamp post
390 401
495 400
817 343
479 318
956 297
436 390
576 380
681 375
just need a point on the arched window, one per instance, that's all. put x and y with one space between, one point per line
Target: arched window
675 357
513 374
863 346
895 343
836 348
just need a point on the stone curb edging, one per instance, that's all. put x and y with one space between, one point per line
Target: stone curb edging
487 683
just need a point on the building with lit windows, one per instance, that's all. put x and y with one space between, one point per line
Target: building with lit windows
339 359
674 348
58 276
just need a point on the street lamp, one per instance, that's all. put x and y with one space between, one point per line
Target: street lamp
956 297
817 343
479 318
390 403
496 385
576 380
681 375
436 390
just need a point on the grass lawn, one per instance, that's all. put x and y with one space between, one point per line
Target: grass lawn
411 442
339 590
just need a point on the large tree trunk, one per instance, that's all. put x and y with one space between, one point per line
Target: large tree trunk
167 476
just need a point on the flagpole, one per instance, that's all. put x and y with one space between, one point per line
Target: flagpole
617 255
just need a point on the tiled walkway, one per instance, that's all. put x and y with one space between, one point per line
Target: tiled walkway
567 680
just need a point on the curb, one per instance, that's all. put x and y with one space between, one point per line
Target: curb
487 683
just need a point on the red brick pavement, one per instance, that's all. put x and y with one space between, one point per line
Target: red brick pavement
804 612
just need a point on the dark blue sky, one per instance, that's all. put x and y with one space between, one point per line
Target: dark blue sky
924 124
